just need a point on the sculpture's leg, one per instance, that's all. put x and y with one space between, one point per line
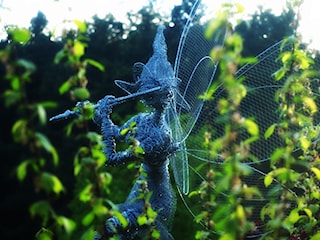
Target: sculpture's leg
114 227
164 233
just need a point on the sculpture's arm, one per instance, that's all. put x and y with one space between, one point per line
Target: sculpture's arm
110 133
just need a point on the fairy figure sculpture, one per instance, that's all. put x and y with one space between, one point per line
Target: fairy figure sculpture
173 94
153 135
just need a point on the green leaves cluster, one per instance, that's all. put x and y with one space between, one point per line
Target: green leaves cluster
149 215
89 159
296 164
292 208
229 217
26 132
92 182
73 53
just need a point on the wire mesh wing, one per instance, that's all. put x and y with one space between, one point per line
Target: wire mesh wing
259 104
195 70
259 82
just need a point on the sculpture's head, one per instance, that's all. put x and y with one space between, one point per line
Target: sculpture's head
157 72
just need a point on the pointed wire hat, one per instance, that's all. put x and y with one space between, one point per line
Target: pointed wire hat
156 72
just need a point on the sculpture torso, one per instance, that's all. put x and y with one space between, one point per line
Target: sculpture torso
155 139
154 136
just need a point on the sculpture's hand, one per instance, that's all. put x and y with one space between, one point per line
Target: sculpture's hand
104 109
106 104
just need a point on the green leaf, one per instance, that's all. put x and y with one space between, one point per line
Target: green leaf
27 65
293 216
151 213
57 185
86 194
48 104
200 217
240 213
155 234
88 234
269 131
15 83
81 25
304 61
268 179
99 157
138 151
240 8
124 131
42 209
240 94
46 144
76 165
248 60
93 136
251 127
20 131
44 234
214 26
133 124
314 207
50 183
22 170
59 56
305 143
65 87
142 220
308 212
226 237
42 114
285 57
316 236
310 104
249 192
99 209
20 35
88 219
79 48
121 218
69 128
285 174
208 95
81 93
106 178
68 224
193 193
316 171
202 235
280 73
87 110
12 97
95 64
277 155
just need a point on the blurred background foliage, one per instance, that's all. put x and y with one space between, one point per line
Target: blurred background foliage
89 58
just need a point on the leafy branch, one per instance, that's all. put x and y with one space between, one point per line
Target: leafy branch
296 164
229 217
25 131
92 182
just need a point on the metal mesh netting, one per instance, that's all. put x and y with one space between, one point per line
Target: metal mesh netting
259 105
194 69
